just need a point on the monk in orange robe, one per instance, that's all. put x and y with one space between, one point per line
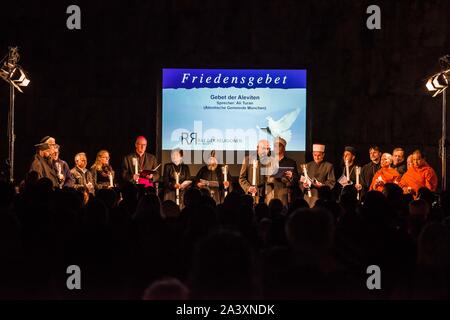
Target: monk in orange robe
419 175
386 174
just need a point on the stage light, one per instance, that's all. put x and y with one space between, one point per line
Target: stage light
438 82
17 77
429 85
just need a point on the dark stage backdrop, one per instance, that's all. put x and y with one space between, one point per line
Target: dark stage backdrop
97 87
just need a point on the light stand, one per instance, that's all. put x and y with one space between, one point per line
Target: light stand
444 141
11 134
438 84
12 73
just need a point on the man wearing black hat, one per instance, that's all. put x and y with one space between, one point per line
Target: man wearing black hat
50 141
42 163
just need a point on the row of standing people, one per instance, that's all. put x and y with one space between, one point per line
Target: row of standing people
138 167
383 168
410 174
263 174
46 163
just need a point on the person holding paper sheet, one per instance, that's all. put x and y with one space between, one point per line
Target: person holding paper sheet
134 163
171 170
285 180
348 175
103 174
320 172
211 177
255 169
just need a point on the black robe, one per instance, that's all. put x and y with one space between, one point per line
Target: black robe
284 188
323 173
338 187
148 162
217 193
169 181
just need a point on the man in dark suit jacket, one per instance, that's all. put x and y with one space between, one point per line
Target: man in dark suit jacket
141 159
286 181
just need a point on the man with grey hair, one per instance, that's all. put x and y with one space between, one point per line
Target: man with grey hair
62 169
137 163
82 176
255 169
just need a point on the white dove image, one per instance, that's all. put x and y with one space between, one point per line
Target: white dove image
281 127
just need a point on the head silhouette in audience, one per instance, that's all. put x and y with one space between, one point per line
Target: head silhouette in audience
310 233
166 289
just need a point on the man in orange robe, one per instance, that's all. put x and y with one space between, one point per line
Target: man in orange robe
386 174
419 175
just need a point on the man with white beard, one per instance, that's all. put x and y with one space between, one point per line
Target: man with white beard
255 170
320 173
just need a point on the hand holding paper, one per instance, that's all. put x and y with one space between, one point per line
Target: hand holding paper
185 184
343 181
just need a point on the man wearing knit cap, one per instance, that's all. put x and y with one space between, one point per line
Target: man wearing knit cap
42 163
320 173
285 178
